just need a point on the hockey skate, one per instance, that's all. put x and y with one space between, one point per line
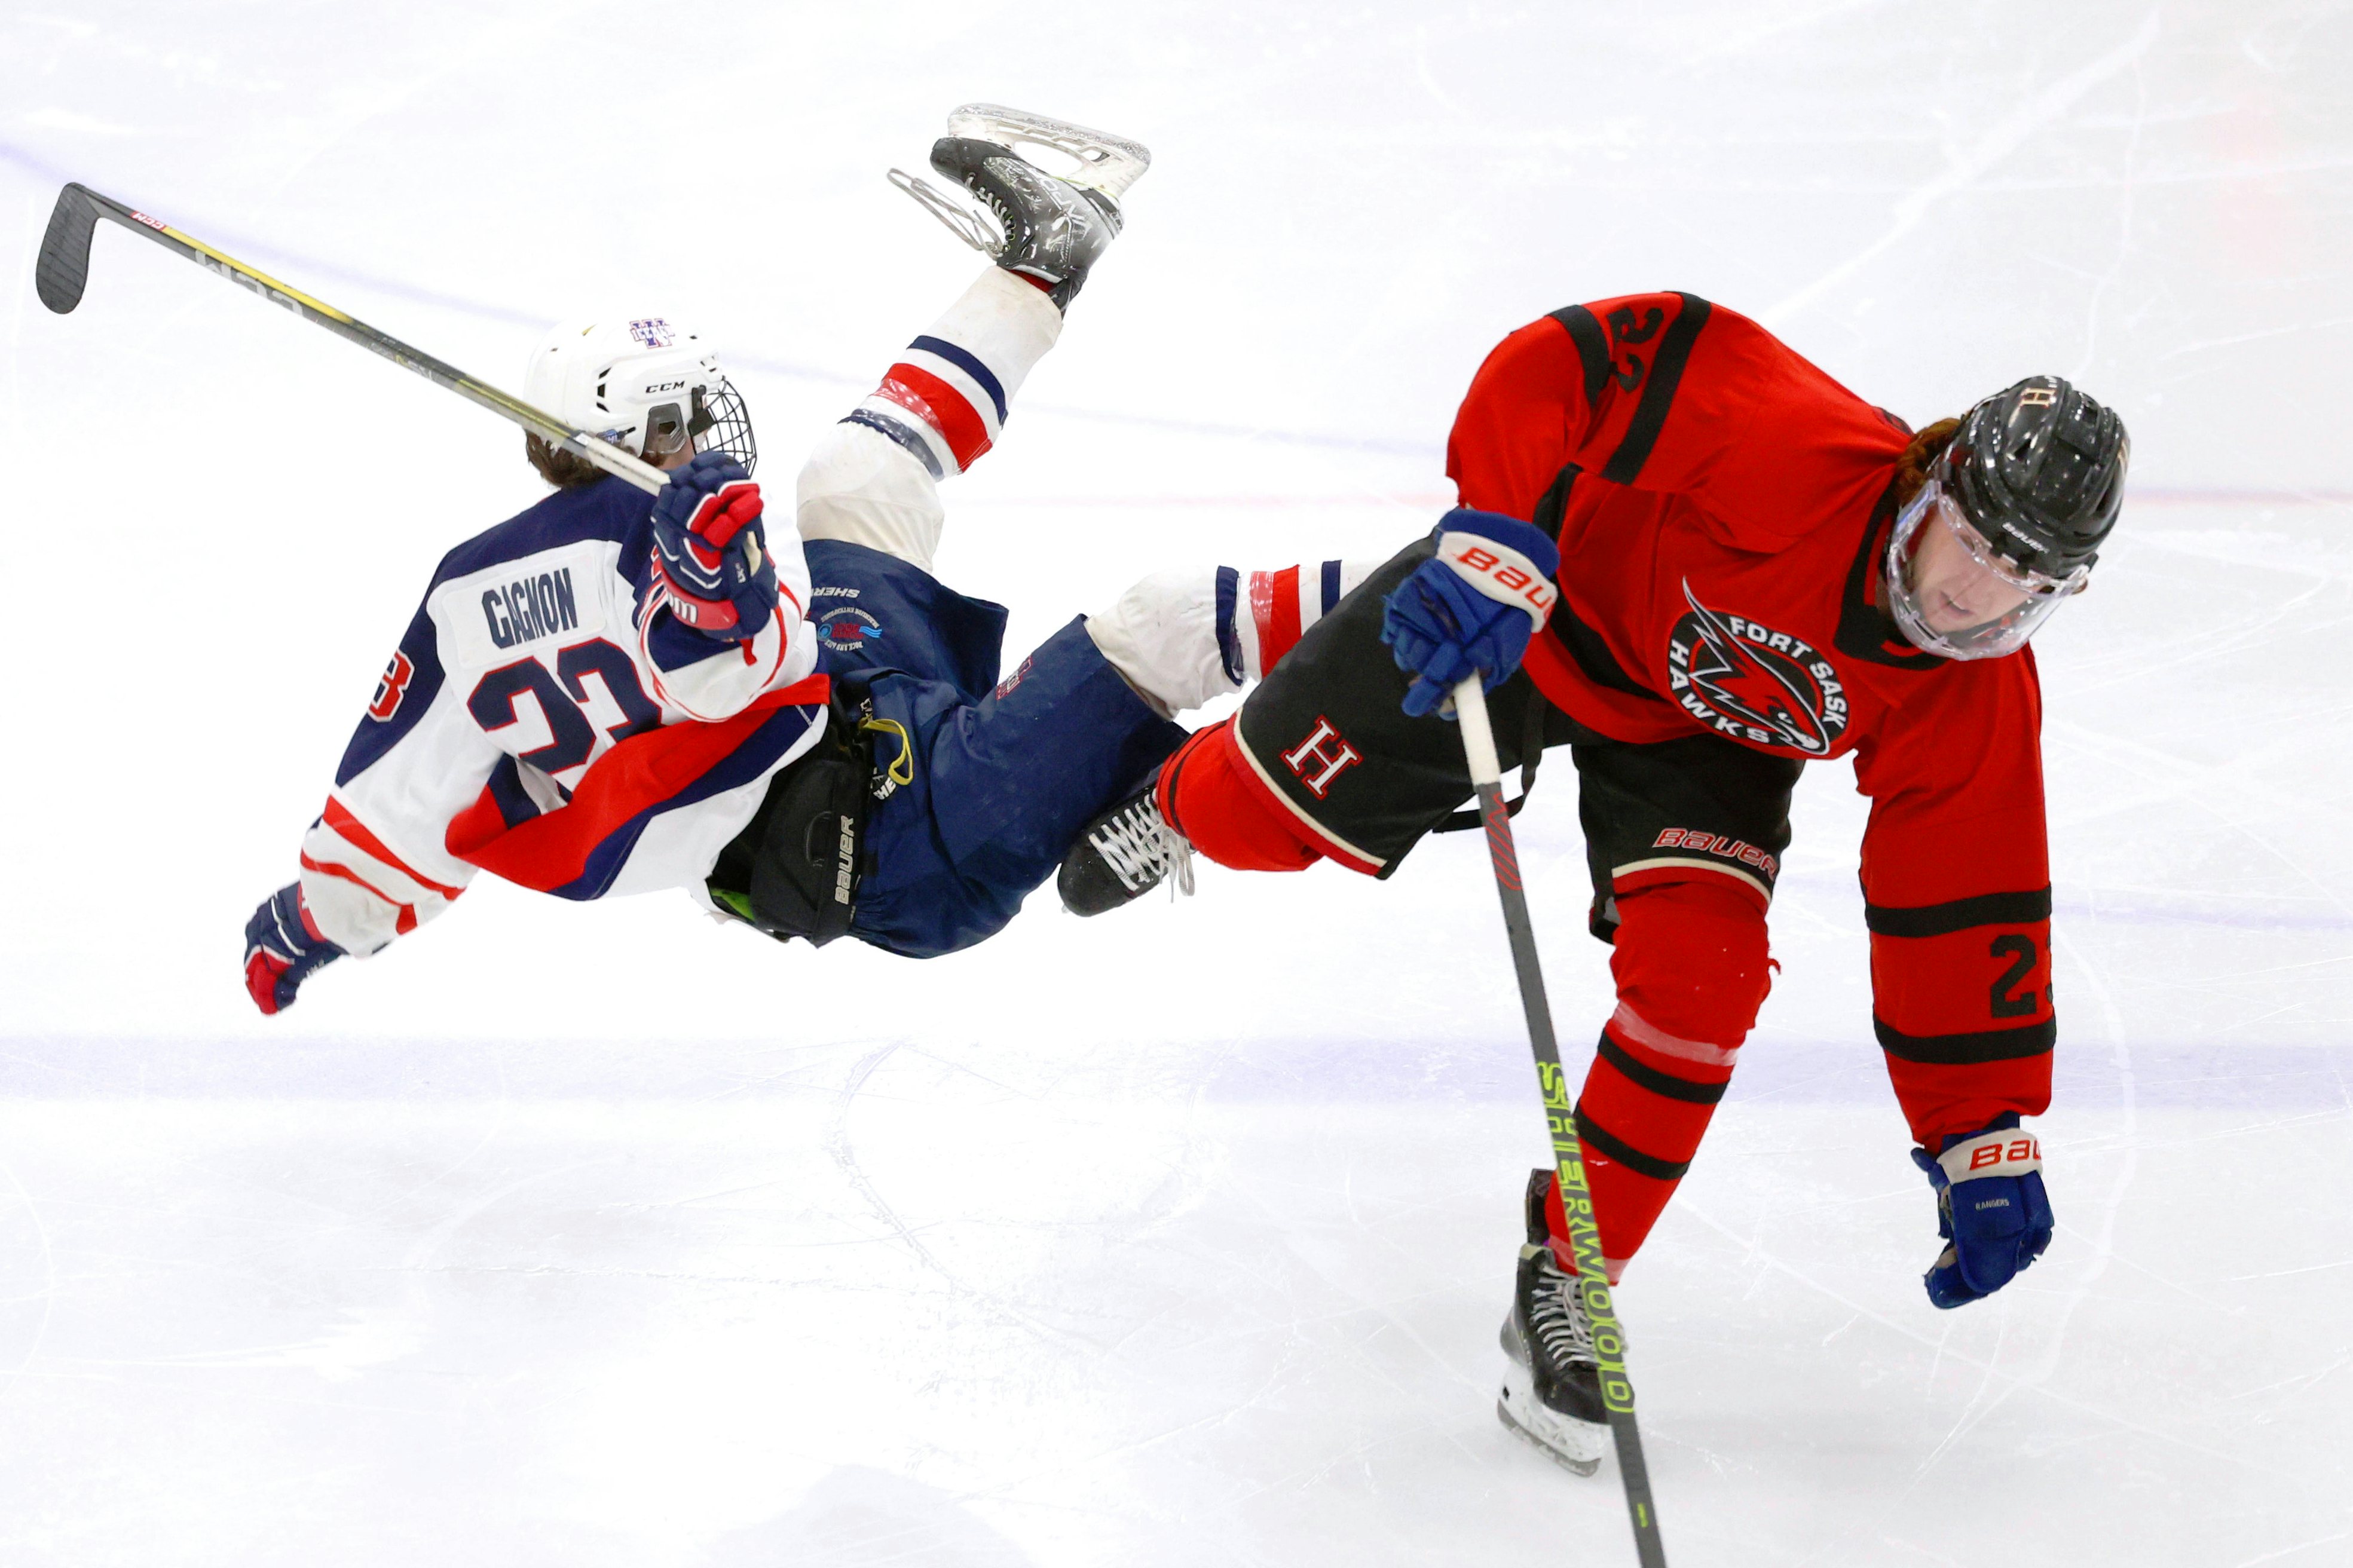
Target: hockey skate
1047 225
1552 1382
1122 854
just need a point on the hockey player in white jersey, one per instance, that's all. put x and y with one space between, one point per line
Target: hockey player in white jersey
797 725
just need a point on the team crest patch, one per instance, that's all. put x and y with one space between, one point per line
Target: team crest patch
847 630
655 333
1753 683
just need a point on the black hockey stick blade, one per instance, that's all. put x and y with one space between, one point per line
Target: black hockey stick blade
63 269
62 272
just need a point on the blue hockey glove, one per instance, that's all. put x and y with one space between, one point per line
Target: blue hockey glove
1473 607
1990 1205
710 549
282 948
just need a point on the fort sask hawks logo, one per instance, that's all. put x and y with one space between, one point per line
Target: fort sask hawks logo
1753 683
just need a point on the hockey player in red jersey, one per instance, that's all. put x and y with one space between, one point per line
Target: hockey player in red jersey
1756 568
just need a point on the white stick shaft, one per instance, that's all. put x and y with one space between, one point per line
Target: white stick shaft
1478 735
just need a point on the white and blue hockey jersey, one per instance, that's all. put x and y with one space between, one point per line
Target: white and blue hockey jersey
547 719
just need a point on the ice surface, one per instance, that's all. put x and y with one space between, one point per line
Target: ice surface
597 1236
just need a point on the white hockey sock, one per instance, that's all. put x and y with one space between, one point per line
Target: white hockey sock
946 397
1182 637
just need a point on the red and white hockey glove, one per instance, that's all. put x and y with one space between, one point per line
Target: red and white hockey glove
1474 607
1991 1207
709 553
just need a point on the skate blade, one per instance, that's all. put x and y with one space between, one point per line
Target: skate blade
1575 1445
1105 163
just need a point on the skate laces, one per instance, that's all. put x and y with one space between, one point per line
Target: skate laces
972 227
1141 848
1555 1317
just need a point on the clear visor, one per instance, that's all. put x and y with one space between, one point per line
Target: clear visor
1954 595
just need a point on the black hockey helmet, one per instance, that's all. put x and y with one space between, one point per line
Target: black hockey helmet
2040 471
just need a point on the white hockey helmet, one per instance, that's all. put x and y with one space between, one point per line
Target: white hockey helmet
642 383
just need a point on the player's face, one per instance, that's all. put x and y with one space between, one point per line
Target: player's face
1953 589
1953 595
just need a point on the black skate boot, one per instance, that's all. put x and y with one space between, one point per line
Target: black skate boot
1054 226
1122 854
1552 1385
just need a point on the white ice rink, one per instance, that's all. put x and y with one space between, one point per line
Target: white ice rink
588 1235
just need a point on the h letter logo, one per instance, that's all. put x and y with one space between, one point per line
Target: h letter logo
1320 758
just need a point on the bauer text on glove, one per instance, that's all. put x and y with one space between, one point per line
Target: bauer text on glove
1474 606
710 549
1990 1207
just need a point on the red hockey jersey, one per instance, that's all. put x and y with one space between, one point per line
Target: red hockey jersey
1722 506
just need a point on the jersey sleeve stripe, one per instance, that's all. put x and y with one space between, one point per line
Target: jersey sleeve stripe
1625 464
339 817
1592 348
1967 1050
1592 654
1957 914
1553 505
407 919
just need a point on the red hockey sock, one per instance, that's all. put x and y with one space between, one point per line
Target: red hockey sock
1208 794
1691 969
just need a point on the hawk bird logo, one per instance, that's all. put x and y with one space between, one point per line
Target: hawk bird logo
1753 683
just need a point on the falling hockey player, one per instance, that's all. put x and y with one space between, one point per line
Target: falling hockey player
1755 569
801 726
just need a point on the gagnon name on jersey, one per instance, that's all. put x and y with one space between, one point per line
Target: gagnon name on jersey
490 615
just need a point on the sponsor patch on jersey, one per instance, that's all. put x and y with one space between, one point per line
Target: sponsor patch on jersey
847 629
1748 681
493 616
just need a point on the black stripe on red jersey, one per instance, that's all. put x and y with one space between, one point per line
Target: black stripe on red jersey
1664 1084
1625 464
1957 914
1592 348
1602 1142
1864 630
1592 654
1584 644
1964 1050
1553 505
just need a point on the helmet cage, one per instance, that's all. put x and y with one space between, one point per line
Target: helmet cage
647 387
2032 597
718 422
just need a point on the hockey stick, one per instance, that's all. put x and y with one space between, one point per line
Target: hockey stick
1560 1116
63 271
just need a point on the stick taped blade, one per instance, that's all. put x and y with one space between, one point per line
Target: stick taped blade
64 267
